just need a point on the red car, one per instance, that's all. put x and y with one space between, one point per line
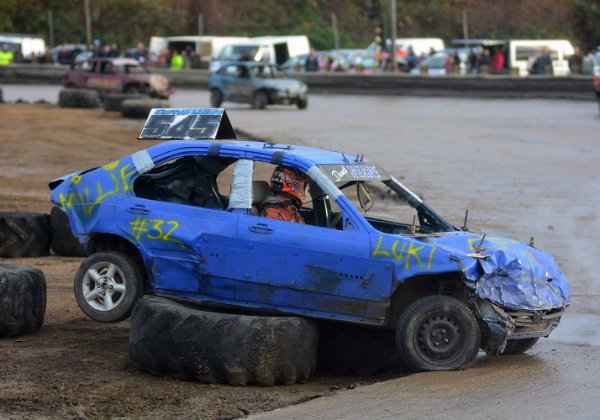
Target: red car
114 75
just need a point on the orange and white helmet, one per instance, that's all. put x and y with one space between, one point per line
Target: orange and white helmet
291 182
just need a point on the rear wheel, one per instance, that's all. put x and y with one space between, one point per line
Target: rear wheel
437 333
107 286
519 346
302 103
216 98
260 100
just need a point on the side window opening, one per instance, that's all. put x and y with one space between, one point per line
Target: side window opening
190 180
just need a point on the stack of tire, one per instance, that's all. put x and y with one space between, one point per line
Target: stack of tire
131 105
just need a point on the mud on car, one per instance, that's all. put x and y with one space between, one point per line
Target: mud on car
179 220
116 75
255 83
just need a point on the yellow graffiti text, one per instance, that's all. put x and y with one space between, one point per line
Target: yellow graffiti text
400 253
154 229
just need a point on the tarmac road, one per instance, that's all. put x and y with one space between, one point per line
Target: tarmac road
522 168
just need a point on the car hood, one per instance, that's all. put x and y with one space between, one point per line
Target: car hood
291 85
506 272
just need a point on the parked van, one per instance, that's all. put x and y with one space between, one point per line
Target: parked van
28 44
206 47
520 51
267 49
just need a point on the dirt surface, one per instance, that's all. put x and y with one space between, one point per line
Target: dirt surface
522 168
75 367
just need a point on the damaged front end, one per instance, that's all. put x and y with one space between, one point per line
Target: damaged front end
518 290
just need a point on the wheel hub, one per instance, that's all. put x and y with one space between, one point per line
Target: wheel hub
439 337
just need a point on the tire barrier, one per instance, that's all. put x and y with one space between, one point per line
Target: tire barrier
113 101
24 235
22 299
140 108
168 338
78 98
63 241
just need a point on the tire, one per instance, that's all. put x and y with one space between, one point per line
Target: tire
260 100
113 101
124 287
216 98
348 349
135 89
437 333
24 235
140 108
1 97
63 241
167 338
22 300
519 346
78 98
302 103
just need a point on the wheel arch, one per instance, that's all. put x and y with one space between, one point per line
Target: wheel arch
112 242
449 283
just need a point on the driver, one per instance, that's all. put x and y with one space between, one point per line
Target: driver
288 187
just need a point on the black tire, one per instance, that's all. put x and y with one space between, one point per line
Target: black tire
78 98
63 241
216 98
108 298
24 235
1 97
437 333
22 300
140 108
302 103
260 100
349 349
113 101
167 338
519 346
136 89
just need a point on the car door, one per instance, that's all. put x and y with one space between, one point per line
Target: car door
310 269
186 247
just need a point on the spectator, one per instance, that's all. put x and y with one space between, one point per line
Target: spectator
194 60
456 63
312 62
98 50
449 63
114 50
177 61
6 55
497 61
431 51
411 59
543 64
484 62
46 58
576 62
473 61
63 55
588 63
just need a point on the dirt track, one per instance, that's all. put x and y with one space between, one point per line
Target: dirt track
521 167
75 367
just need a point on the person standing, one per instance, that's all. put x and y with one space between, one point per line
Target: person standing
543 64
312 62
176 61
497 61
6 55
576 62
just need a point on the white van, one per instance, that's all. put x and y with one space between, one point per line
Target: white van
28 44
520 52
268 49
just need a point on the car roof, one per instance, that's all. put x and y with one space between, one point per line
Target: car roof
303 156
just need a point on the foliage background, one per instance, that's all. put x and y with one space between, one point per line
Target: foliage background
129 21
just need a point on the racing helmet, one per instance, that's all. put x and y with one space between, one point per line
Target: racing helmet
291 182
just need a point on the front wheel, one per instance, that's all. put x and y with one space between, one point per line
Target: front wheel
302 103
107 286
216 98
260 100
437 333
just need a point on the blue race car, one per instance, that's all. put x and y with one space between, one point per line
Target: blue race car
182 219
255 83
